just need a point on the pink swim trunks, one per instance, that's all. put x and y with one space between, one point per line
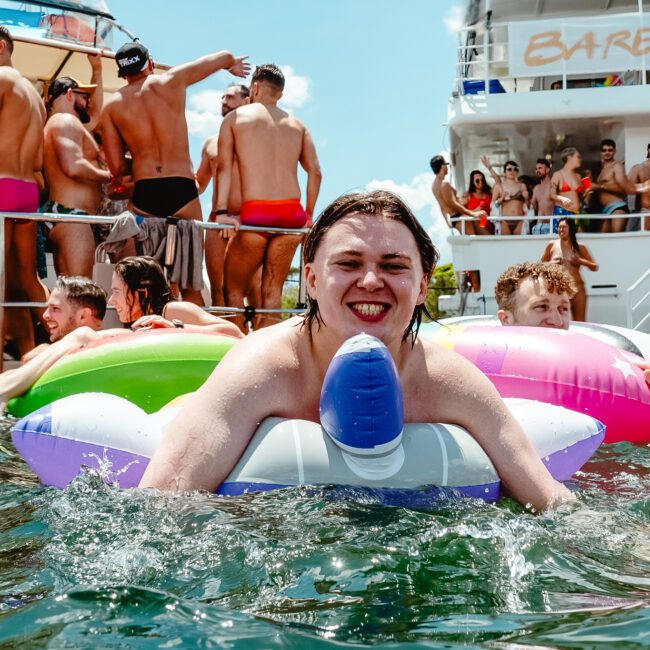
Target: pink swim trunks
18 196
275 214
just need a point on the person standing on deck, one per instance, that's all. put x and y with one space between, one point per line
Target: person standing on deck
148 117
22 117
71 166
447 197
640 173
542 202
268 144
215 245
613 186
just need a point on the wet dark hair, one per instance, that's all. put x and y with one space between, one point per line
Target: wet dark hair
83 292
145 280
607 142
5 35
477 172
572 232
543 161
379 203
436 163
270 74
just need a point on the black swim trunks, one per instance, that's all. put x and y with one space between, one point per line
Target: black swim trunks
163 197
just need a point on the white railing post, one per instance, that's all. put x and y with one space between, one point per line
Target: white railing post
630 307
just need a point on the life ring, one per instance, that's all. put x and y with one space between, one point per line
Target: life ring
623 338
362 442
149 368
559 367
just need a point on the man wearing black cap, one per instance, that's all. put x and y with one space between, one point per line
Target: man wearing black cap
72 169
447 198
148 117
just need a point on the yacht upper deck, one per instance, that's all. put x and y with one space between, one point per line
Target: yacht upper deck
511 56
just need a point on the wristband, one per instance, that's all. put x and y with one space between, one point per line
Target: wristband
220 212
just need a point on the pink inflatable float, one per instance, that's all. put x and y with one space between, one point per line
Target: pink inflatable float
560 367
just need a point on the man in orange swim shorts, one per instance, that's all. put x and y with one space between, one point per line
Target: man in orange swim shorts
268 144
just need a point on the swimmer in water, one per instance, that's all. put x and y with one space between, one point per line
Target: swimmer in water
368 263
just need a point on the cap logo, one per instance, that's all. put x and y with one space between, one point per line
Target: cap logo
127 61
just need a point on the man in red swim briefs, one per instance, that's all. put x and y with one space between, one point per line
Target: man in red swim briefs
268 144
22 116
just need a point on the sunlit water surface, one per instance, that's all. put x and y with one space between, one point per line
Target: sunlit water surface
97 567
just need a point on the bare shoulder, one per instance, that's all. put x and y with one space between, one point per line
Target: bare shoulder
63 122
264 357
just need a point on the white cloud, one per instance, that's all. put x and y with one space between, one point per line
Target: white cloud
454 19
417 193
204 113
296 89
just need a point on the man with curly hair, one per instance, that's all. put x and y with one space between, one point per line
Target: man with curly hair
535 294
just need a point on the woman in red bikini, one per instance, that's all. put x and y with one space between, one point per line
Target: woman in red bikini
478 197
567 187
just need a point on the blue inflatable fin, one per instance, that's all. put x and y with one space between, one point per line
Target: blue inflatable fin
361 405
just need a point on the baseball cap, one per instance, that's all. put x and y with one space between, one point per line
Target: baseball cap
63 84
131 59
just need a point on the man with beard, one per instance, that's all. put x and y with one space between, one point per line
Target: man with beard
72 169
613 186
542 203
215 245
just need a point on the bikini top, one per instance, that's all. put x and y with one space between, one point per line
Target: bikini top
518 196
565 187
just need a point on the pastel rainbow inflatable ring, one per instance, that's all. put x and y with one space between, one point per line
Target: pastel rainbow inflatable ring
360 443
559 367
149 368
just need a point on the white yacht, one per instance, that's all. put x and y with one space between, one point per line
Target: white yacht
502 105
53 37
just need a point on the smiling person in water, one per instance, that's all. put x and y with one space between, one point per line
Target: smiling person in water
368 263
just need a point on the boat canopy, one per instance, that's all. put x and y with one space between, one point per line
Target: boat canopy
52 38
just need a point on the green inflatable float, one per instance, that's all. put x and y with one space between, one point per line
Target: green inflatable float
147 368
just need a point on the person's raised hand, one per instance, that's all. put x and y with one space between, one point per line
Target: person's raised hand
241 67
95 61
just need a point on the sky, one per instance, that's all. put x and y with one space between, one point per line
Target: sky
370 79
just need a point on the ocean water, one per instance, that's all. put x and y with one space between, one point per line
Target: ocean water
97 567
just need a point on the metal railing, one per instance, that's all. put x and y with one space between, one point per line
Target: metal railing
549 219
96 219
634 303
483 56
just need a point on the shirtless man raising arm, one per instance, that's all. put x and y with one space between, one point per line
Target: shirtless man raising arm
215 245
368 263
22 116
71 166
148 117
447 198
268 144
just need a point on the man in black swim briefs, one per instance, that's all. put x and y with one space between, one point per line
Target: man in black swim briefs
147 116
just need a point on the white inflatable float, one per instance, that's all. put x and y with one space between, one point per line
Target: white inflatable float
361 443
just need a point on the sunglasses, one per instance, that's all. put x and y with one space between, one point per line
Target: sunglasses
608 149
512 169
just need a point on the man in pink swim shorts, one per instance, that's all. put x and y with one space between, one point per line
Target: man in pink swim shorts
22 117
